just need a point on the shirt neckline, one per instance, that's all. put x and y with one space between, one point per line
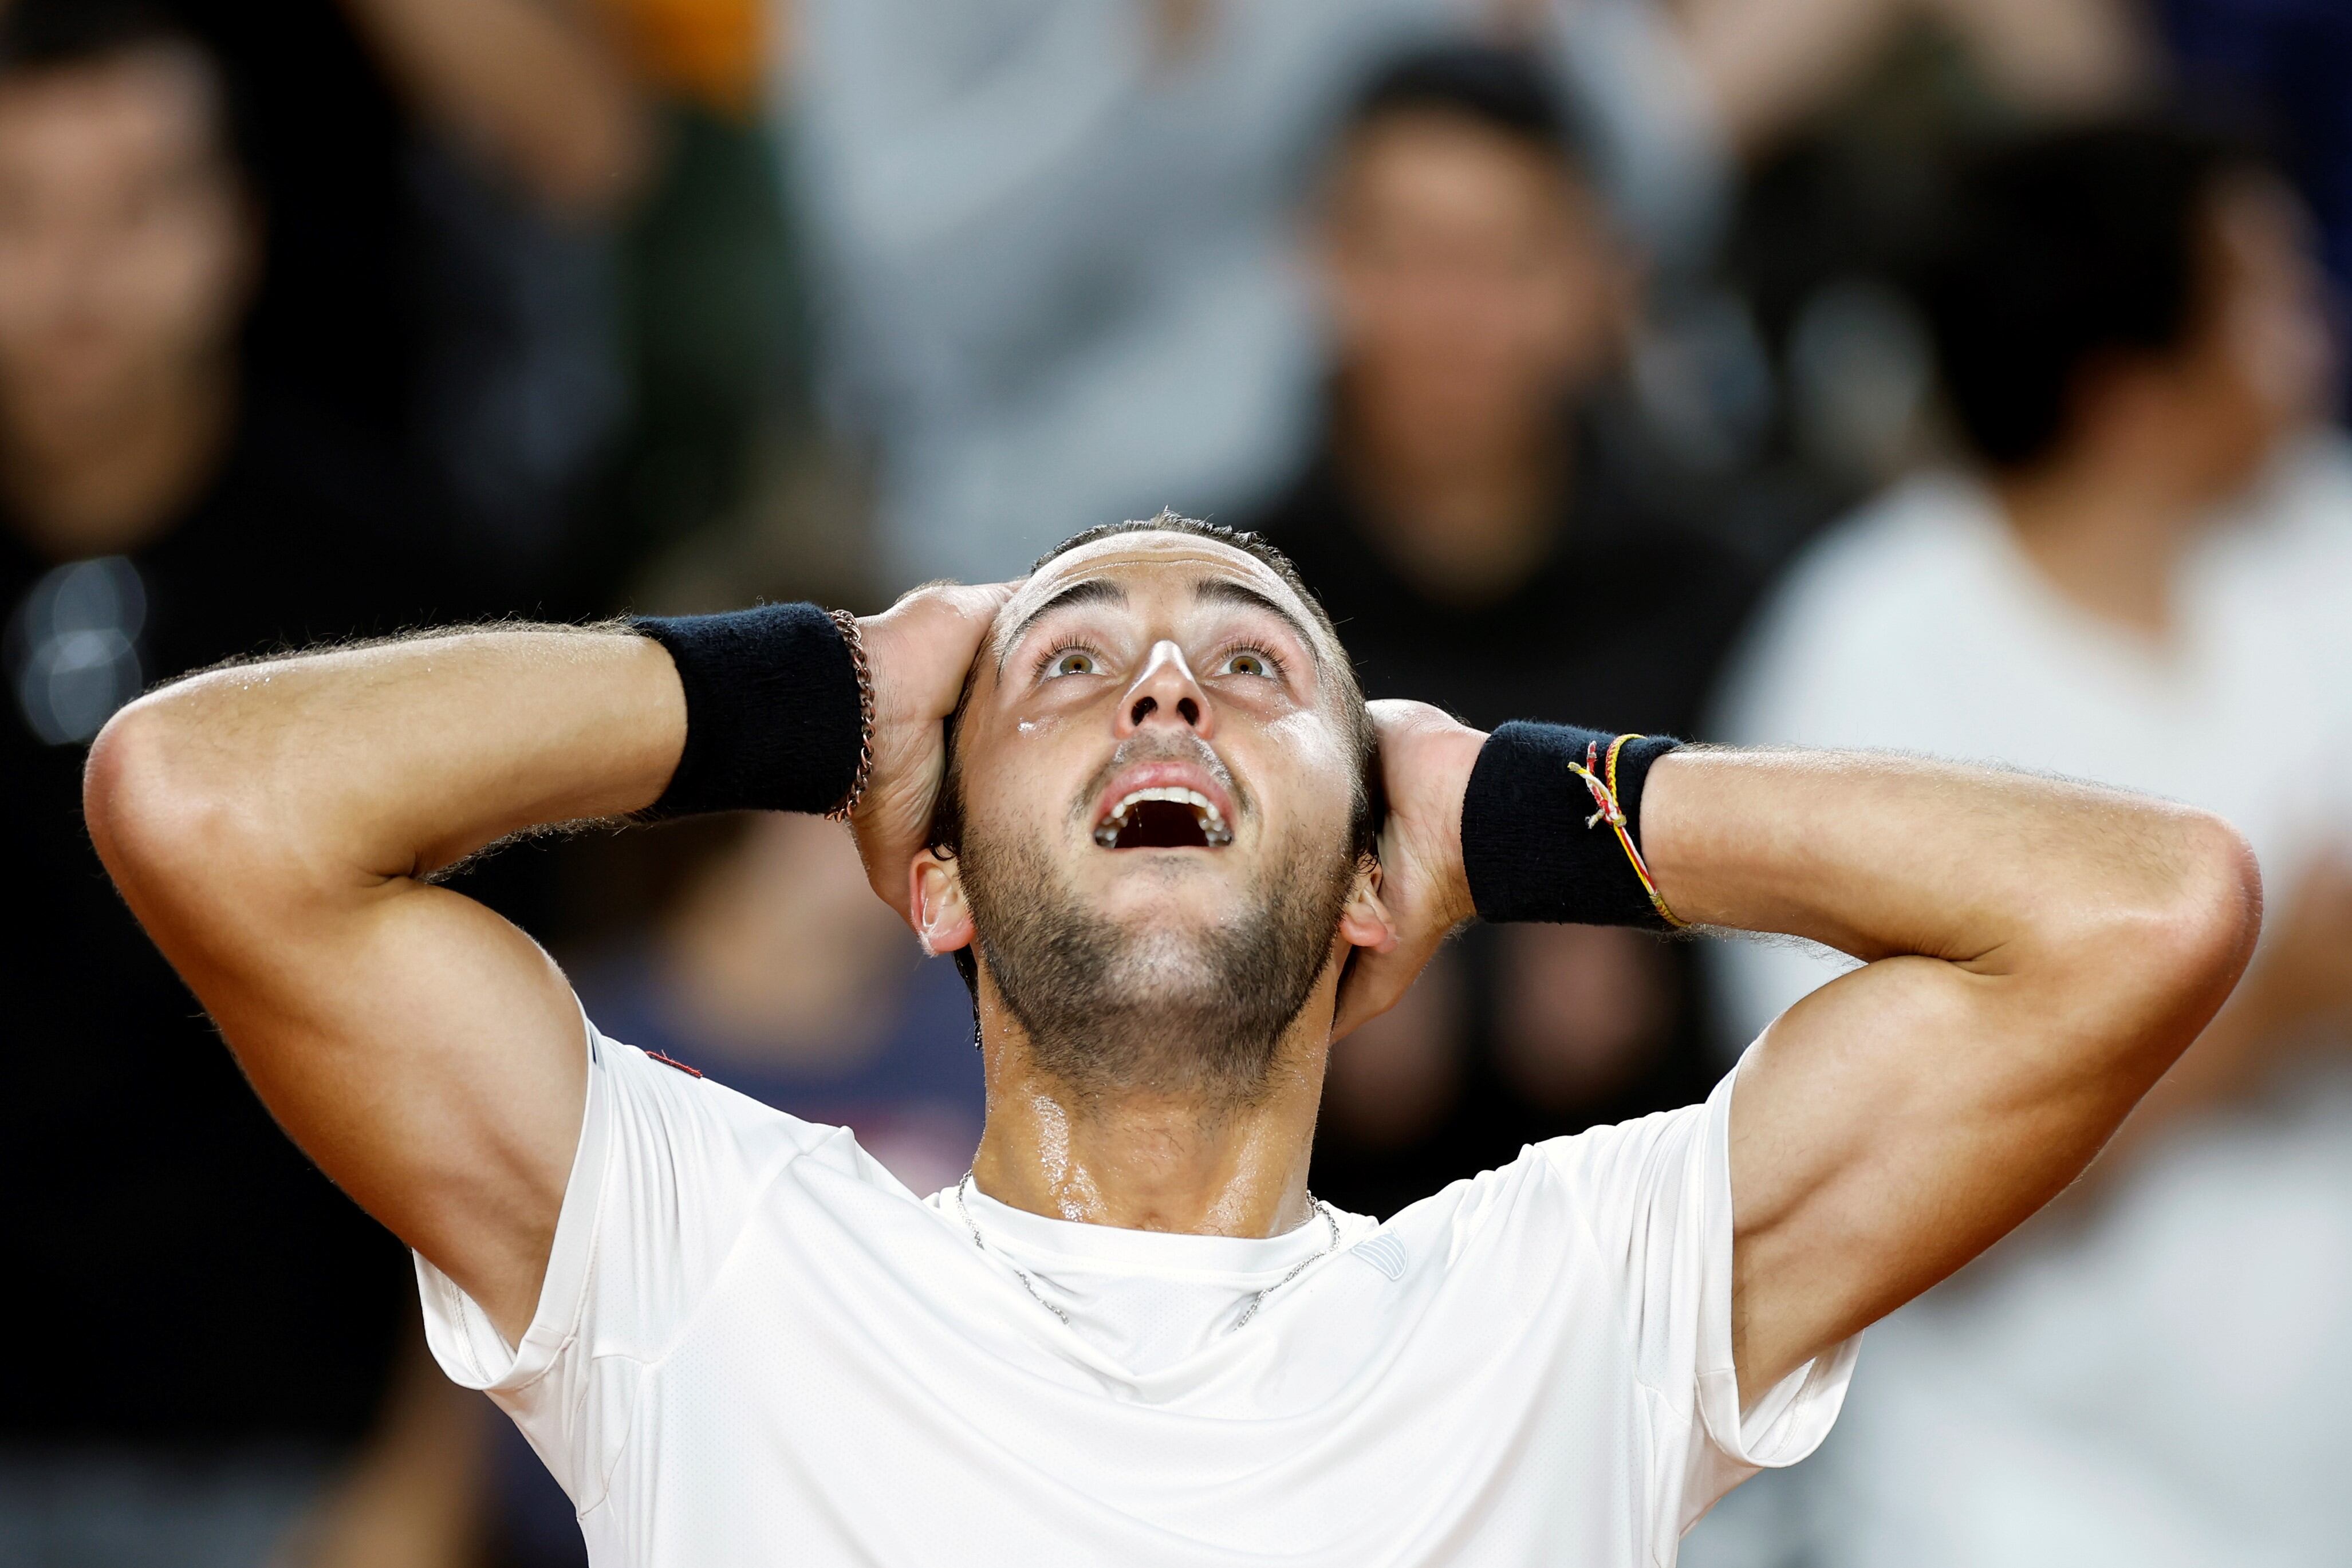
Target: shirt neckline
1063 1244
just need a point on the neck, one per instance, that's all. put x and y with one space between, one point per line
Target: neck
1147 1160
98 482
2108 537
1467 519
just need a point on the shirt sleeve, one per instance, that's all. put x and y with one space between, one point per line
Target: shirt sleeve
1657 1197
668 1170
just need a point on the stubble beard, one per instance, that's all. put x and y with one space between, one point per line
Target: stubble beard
1111 1012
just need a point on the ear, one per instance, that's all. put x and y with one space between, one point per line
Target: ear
1366 920
942 921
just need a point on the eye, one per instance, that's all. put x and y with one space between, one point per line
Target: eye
1249 661
1072 661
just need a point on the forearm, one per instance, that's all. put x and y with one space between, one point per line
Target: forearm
1878 856
2061 893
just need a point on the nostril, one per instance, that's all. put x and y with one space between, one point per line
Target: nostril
1143 709
1189 711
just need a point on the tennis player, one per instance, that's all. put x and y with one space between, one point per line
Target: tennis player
1139 795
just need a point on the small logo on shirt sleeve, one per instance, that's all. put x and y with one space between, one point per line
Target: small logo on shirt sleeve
1383 1252
672 1062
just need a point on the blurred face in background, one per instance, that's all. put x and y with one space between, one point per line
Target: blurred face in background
2252 368
2260 362
127 246
1473 282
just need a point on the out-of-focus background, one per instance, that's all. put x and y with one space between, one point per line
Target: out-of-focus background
1953 376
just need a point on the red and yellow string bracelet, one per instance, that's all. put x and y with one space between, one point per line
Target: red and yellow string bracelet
1601 780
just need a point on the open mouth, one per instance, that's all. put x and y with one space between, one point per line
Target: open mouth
1166 816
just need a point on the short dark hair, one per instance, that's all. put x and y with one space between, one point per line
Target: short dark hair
2059 248
1496 87
1366 806
39 36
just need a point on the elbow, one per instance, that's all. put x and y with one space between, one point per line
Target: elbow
2197 931
152 815
2220 900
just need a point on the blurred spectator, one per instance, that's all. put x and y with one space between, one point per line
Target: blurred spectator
525 139
436 178
218 1327
1769 66
1844 110
714 321
765 960
1057 233
2129 323
1467 522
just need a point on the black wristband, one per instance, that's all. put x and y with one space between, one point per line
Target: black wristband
772 717
1525 846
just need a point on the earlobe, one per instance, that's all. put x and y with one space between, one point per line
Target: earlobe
942 922
1366 922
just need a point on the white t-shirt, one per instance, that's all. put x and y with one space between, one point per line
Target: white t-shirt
755 1346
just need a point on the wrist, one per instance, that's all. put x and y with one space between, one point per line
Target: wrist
774 716
1551 827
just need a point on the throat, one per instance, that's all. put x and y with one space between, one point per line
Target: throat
1146 1162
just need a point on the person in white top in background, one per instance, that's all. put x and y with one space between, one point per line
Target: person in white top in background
2144 583
1058 238
1136 792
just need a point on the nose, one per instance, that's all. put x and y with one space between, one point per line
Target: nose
1165 694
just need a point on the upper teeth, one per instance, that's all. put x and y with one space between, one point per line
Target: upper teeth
1212 820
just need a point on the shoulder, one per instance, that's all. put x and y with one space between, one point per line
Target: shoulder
1586 1187
666 1111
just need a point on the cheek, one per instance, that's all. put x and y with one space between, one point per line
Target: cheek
188 280
1312 771
1023 779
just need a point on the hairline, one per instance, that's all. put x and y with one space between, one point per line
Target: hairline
1332 656
1314 627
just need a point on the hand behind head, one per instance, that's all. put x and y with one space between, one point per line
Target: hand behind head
1424 759
920 651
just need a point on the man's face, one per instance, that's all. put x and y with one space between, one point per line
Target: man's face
125 246
1472 280
1158 772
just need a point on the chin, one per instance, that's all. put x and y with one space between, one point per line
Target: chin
1178 890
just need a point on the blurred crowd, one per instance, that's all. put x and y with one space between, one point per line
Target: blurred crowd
1958 376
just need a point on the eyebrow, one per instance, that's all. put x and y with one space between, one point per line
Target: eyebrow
1207 591
1225 590
1091 591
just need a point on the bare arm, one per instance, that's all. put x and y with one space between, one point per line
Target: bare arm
2036 955
272 826
1770 64
536 85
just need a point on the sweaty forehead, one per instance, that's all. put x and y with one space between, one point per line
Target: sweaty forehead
1145 567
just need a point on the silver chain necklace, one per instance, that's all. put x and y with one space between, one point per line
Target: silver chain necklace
1256 1301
